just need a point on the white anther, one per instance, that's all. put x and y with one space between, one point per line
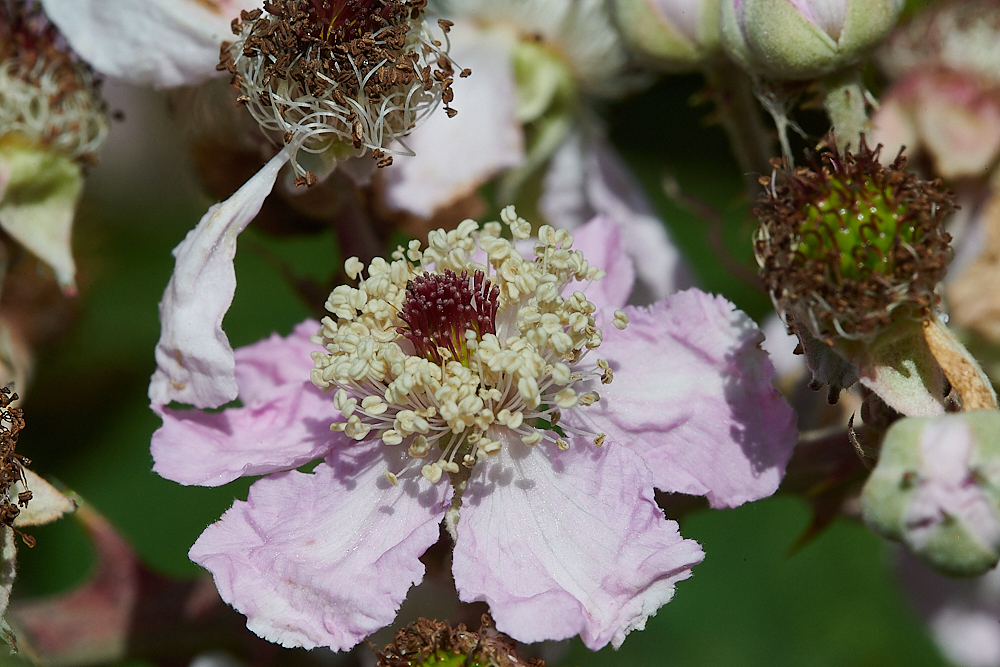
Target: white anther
353 267
391 477
621 319
392 437
419 447
560 373
532 438
566 398
562 444
373 405
432 472
449 466
589 398
356 428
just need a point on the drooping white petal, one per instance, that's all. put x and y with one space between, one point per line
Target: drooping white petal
194 361
163 43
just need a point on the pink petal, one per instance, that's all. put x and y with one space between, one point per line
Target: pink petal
275 361
586 178
565 543
163 43
325 559
692 395
287 429
828 15
454 156
600 240
194 362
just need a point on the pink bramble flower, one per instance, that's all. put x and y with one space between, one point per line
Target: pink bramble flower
472 384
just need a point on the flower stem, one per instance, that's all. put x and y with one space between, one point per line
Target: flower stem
739 115
844 102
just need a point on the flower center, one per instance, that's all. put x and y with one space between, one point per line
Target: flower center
440 308
498 350
340 21
858 222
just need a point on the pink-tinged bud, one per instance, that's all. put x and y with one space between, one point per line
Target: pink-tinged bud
673 35
936 488
804 39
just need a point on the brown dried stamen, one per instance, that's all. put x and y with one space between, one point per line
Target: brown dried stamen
11 463
440 308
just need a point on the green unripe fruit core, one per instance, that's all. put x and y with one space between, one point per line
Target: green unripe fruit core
855 221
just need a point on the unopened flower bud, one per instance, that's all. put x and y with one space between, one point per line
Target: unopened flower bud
674 35
803 39
936 488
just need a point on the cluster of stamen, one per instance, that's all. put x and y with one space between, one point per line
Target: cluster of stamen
345 76
848 246
48 97
11 463
437 353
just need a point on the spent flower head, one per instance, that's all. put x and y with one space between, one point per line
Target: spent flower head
344 76
48 97
847 246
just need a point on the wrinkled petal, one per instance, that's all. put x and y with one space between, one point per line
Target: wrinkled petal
288 429
586 178
692 395
163 43
454 156
274 361
565 543
600 240
325 559
38 204
194 362
286 421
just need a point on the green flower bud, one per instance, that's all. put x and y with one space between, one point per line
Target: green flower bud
936 488
672 35
804 39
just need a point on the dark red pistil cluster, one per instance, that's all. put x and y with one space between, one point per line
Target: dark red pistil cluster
440 308
339 21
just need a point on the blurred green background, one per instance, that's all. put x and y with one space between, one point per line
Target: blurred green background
752 602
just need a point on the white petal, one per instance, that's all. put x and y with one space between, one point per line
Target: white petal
194 361
148 42
454 156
